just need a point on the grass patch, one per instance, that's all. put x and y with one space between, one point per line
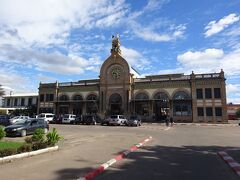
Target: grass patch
10 145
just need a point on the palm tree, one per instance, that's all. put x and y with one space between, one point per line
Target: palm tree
2 92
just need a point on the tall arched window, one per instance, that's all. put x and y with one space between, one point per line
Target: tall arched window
92 104
77 97
142 104
181 95
181 104
160 96
92 97
115 99
63 98
142 96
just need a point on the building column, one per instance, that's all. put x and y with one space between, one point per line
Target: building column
194 97
223 97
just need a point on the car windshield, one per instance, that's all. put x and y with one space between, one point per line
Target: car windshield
16 117
66 116
114 117
41 115
21 122
133 117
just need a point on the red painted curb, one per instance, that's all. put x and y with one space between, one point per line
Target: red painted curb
119 157
230 161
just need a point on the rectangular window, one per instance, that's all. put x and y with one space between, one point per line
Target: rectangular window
15 102
22 102
41 97
47 97
218 111
200 111
208 93
51 98
217 93
209 111
29 101
8 102
199 94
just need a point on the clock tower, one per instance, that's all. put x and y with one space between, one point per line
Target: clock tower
115 82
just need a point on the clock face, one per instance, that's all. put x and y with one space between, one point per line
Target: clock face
116 72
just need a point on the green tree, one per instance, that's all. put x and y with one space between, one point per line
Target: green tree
238 113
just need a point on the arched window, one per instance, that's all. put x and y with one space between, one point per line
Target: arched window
77 98
115 99
181 104
92 104
141 96
63 98
160 96
181 95
91 97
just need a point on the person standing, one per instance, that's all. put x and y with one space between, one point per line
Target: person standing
171 120
167 120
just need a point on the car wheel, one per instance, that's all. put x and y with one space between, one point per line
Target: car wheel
23 133
45 130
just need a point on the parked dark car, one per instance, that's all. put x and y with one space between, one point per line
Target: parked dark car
105 121
4 120
26 127
89 120
134 120
57 119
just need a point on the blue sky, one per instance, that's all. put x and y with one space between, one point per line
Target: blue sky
64 40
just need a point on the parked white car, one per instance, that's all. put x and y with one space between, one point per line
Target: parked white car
117 120
18 118
46 116
69 118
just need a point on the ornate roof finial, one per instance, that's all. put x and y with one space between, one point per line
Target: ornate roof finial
116 44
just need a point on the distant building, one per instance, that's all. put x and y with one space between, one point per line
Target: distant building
187 98
231 111
19 101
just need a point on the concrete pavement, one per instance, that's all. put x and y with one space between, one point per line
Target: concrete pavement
182 152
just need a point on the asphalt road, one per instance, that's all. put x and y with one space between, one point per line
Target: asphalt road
180 153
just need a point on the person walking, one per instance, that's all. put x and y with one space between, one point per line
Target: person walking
167 120
171 120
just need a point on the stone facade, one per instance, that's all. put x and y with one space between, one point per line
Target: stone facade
186 98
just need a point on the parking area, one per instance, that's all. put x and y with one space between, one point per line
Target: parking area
188 152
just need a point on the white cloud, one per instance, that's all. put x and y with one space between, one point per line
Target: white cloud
48 62
233 100
208 58
49 22
211 60
135 58
150 33
155 4
233 88
12 81
215 27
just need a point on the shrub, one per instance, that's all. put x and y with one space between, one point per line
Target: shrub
2 132
28 140
38 135
53 137
7 152
24 148
39 145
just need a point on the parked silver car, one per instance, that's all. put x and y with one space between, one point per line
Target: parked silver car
69 118
117 120
134 120
18 118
